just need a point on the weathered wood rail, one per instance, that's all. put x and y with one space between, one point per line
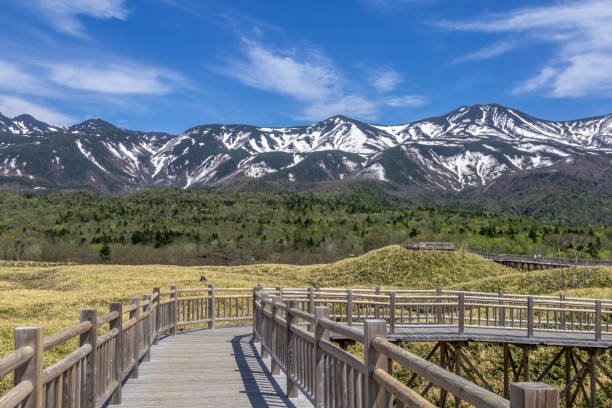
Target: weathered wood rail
110 346
530 262
295 326
296 332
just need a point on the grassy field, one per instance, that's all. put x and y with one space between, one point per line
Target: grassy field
51 294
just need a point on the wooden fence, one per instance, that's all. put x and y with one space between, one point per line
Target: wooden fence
110 346
295 332
544 260
294 327
516 313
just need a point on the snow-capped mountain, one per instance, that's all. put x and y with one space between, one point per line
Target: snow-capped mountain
470 147
25 125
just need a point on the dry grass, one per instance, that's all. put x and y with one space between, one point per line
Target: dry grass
51 294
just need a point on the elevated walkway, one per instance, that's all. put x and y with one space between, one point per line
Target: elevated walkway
208 368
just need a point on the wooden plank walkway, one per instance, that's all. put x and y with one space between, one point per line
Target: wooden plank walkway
501 335
208 368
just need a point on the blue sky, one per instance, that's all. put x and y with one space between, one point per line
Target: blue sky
171 64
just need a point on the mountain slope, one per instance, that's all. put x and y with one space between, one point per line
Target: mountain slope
25 125
468 149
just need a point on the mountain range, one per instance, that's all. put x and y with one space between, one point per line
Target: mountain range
483 149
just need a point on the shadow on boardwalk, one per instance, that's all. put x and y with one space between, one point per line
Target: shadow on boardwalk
260 386
208 368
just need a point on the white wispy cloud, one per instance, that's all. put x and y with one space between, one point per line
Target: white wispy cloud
489 51
63 15
33 85
407 100
395 4
352 105
536 82
114 78
385 80
13 106
16 78
581 33
312 79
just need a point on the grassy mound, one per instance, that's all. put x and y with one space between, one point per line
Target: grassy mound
394 266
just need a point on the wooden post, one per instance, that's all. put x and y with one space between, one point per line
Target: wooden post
443 392
439 307
173 312
275 368
320 312
157 316
31 371
457 368
377 307
533 395
147 329
375 395
530 316
256 289
117 323
279 291
311 306
568 376
562 299
593 380
135 314
264 326
292 389
597 320
349 307
392 312
526 350
506 373
502 310
88 393
211 307
461 313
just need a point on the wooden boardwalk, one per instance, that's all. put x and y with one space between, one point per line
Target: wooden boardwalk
502 335
208 368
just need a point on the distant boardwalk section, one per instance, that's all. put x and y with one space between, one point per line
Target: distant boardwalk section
429 246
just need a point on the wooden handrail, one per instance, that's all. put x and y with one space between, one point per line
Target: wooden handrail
399 389
15 359
444 379
63 336
16 395
377 350
131 337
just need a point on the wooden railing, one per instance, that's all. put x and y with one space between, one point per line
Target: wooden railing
294 329
295 332
523 314
544 260
110 346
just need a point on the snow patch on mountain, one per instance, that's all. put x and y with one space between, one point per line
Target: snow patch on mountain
206 170
89 156
374 172
258 170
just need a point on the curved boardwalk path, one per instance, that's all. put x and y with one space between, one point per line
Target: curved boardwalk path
208 368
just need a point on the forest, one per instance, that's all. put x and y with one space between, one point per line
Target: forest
213 227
